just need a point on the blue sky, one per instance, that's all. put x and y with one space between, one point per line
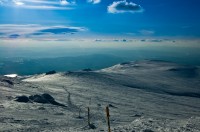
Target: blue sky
98 19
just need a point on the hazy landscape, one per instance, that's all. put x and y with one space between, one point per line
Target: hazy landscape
35 62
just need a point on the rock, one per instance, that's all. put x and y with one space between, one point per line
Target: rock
44 99
125 63
38 99
148 130
41 108
48 97
50 72
8 81
87 70
110 105
22 98
92 126
137 115
2 107
59 114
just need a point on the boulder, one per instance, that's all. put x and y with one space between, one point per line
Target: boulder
87 70
22 98
51 72
38 99
48 97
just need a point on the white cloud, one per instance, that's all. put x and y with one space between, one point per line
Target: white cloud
18 3
64 2
94 1
36 31
41 1
38 4
123 6
46 7
147 32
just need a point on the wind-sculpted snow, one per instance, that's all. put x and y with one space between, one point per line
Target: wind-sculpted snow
153 125
159 77
142 96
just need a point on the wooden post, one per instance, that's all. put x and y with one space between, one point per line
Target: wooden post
88 116
108 118
79 112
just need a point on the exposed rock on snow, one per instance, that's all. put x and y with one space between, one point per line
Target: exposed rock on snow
38 99
87 70
22 98
50 72
8 81
44 99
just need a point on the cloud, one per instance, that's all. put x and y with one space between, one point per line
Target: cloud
153 40
34 31
113 40
94 1
123 6
58 30
38 4
64 2
18 3
147 32
14 36
98 40
156 40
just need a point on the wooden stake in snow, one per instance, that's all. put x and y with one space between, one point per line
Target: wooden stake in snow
79 112
108 118
88 116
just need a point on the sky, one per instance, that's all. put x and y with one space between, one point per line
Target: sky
106 21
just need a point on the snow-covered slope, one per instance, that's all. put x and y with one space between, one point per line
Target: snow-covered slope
142 96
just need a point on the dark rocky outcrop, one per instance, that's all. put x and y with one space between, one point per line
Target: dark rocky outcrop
87 69
110 105
51 72
8 81
38 99
43 98
125 63
148 130
47 97
22 98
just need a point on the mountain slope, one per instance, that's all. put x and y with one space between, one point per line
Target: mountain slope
143 95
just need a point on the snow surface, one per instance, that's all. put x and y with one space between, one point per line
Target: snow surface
11 75
142 96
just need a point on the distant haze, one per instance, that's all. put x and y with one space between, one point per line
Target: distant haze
26 61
